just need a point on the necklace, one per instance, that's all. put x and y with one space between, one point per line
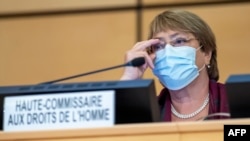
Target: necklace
185 116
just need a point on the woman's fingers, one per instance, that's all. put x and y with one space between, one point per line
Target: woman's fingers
142 46
148 59
139 50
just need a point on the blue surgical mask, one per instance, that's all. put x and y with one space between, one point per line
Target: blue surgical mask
175 66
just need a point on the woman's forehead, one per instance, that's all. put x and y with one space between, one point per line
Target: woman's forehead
171 34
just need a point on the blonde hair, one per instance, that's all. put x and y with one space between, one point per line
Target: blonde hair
188 22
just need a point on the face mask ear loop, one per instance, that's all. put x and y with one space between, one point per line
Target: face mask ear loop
204 64
202 68
199 48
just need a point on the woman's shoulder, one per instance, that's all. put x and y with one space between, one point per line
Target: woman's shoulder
217 86
218 94
217 90
162 96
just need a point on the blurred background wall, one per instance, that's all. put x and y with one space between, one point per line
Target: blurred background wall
42 40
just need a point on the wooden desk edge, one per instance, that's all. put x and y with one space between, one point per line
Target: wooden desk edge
127 129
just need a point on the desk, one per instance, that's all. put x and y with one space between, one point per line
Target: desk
174 131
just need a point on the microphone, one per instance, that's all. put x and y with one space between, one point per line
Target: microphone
137 62
134 63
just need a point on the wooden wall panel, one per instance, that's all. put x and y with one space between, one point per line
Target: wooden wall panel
150 2
230 24
17 6
43 48
35 49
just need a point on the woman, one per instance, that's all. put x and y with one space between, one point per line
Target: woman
181 52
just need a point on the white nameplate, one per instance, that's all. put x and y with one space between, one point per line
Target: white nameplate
59 111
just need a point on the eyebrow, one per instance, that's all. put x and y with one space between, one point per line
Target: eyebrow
174 35
171 36
160 38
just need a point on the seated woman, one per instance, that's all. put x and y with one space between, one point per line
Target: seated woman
181 52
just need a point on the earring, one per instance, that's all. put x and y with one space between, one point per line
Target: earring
208 66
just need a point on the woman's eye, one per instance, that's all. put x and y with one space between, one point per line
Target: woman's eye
158 47
179 42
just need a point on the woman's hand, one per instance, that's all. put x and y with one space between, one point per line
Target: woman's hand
139 50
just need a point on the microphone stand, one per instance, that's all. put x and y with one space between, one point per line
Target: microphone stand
135 63
79 75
